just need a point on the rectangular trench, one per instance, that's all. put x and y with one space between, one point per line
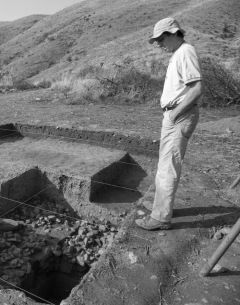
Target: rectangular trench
67 226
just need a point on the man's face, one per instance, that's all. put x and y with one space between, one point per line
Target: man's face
166 42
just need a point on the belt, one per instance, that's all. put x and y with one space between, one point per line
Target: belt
168 108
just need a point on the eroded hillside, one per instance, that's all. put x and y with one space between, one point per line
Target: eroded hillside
94 32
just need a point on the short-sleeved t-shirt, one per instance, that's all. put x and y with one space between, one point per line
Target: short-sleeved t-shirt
184 68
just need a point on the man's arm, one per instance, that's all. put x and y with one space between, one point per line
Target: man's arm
190 99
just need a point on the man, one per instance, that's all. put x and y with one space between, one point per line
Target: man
181 92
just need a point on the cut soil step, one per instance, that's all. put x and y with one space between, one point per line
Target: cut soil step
84 174
72 198
133 142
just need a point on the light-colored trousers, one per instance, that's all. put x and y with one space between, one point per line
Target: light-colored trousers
173 144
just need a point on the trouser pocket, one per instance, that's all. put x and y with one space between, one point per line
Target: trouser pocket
187 122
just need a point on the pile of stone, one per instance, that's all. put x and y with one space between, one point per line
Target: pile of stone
90 241
85 241
16 252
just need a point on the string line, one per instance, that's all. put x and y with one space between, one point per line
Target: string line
24 203
21 202
28 292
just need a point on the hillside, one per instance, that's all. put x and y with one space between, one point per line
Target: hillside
99 31
9 30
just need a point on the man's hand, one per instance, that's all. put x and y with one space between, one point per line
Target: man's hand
190 99
171 117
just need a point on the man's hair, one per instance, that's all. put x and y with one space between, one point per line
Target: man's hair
179 34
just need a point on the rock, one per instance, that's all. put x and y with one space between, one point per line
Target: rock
101 251
13 273
80 260
27 268
5 277
219 269
57 251
153 277
10 225
133 258
225 231
218 235
52 218
12 239
229 130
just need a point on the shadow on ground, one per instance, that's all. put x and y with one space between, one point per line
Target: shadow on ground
204 217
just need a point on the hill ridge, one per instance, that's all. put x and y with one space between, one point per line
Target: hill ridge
92 31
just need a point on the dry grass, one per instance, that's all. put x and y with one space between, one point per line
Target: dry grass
222 88
113 40
84 89
120 84
96 31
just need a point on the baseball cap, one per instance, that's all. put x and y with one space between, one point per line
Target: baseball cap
165 25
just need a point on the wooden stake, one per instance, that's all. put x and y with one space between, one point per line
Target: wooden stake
226 243
235 183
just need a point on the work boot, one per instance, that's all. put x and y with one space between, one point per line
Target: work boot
150 223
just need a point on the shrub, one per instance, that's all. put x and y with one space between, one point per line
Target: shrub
127 84
221 87
87 89
63 85
118 83
23 84
8 81
43 84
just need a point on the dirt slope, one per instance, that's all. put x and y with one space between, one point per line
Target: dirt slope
9 30
95 31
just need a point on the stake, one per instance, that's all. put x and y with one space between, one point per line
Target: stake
235 182
226 243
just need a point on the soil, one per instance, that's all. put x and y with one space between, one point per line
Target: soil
139 267
51 108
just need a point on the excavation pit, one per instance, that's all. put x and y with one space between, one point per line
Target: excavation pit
72 198
51 254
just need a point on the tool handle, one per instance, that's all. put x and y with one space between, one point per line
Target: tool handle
226 243
235 183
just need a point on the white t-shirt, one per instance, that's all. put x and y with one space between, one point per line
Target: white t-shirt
184 68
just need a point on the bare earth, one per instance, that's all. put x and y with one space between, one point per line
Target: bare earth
46 107
139 267
203 203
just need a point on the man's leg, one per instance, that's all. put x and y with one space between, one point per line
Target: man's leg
174 140
173 144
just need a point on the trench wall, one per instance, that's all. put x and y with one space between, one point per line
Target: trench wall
131 143
20 188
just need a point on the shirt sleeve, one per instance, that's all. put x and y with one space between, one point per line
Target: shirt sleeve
190 66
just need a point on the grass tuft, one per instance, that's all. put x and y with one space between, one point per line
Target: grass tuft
221 87
120 83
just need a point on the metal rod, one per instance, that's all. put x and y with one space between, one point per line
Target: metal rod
226 243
